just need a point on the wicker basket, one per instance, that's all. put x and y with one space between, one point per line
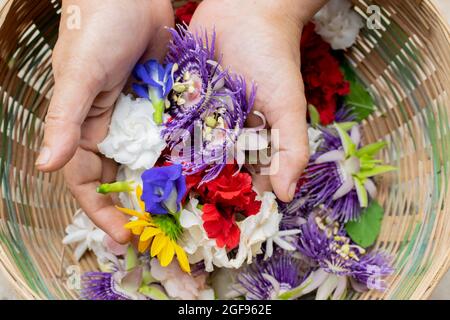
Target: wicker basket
405 64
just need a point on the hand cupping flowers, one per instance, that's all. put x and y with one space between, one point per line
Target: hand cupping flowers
193 206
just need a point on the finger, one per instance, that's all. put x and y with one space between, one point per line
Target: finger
72 98
96 126
287 118
83 174
102 212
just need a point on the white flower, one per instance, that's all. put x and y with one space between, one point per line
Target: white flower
315 139
255 230
133 139
180 285
281 238
338 24
195 240
87 236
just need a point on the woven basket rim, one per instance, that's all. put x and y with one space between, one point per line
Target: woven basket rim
13 276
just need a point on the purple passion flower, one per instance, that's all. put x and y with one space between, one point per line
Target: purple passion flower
163 189
344 114
100 286
208 105
338 261
339 176
270 279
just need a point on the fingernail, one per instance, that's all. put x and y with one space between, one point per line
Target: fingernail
291 191
44 156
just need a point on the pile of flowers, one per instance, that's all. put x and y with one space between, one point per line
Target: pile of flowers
201 229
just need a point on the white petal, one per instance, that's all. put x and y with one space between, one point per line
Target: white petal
188 219
251 140
71 228
97 235
344 189
371 188
315 280
269 249
286 233
171 202
284 244
158 272
80 250
207 294
76 236
331 156
340 288
355 135
325 290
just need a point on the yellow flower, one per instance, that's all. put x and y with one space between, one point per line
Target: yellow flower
160 233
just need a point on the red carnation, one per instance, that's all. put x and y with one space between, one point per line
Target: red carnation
225 198
193 181
184 13
220 224
324 80
232 189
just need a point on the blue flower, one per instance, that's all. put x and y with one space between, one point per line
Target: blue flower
163 189
156 83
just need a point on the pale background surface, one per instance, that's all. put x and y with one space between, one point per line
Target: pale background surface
442 292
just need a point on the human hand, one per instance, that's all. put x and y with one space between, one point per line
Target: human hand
261 40
91 67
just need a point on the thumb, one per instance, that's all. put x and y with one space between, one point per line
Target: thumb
287 119
72 97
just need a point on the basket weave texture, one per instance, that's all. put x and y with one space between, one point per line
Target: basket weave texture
405 65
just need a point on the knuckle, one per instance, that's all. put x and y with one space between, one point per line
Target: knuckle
57 117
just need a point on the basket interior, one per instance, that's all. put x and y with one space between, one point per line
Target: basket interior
403 64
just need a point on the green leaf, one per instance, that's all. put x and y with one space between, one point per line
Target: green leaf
347 143
348 71
361 192
347 126
371 149
147 277
296 292
364 174
153 292
365 231
314 115
131 259
359 100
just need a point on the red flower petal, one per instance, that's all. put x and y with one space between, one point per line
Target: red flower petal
221 225
324 80
184 13
233 190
